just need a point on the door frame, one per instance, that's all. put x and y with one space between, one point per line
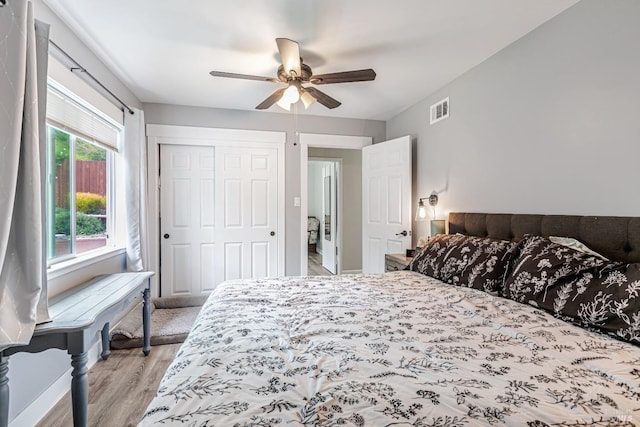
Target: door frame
206 136
307 140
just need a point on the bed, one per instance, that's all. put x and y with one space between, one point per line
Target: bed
499 322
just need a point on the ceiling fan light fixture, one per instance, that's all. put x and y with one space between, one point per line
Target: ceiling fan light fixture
307 99
290 96
283 105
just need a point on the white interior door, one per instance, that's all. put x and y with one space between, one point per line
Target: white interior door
386 201
329 217
246 234
187 222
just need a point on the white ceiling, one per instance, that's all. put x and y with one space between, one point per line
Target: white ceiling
163 50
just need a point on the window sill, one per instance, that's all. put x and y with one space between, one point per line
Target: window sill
66 267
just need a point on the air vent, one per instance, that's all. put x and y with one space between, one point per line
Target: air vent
440 110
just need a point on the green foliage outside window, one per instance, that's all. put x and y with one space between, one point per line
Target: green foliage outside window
86 225
84 149
91 203
62 221
62 146
88 151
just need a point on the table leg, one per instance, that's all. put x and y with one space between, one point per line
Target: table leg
106 351
79 389
146 321
4 391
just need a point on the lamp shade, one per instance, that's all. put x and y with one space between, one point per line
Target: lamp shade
290 96
307 99
421 213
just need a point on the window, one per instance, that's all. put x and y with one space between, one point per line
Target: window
81 151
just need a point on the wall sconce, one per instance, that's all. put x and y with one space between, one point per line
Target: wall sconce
437 225
421 213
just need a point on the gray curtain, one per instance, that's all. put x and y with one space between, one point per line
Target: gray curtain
23 73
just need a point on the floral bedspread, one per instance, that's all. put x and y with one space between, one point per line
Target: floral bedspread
394 349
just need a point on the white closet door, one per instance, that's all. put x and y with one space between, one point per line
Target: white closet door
246 234
188 220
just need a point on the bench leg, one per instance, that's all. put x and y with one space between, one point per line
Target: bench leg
106 350
146 322
4 391
79 389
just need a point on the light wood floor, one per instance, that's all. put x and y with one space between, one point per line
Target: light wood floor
315 267
120 388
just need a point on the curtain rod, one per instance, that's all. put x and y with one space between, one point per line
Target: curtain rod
80 68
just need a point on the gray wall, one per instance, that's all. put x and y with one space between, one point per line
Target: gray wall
259 120
548 125
352 203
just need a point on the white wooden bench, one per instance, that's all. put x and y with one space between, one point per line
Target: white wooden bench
77 316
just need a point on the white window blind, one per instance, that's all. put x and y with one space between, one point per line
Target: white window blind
71 114
74 82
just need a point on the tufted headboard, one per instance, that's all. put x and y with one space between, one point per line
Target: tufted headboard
617 238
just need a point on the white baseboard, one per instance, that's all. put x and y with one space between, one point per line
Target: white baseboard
351 271
38 409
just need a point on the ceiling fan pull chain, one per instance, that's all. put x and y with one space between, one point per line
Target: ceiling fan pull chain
295 124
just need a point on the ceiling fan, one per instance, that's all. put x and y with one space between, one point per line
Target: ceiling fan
294 73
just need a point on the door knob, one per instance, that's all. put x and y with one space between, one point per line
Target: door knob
273 233
402 233
166 235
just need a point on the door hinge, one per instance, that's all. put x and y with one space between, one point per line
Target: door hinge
336 251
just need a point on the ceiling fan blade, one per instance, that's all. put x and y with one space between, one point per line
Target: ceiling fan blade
242 76
344 77
323 98
290 55
272 99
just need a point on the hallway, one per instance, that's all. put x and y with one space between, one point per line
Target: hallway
315 267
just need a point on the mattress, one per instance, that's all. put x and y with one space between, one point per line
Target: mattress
390 349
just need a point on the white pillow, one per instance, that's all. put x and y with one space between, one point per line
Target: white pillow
575 244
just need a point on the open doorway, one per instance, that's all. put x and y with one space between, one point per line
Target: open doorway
348 150
335 172
323 196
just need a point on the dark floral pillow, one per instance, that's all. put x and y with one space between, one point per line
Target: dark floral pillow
475 262
540 266
430 259
578 287
611 301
